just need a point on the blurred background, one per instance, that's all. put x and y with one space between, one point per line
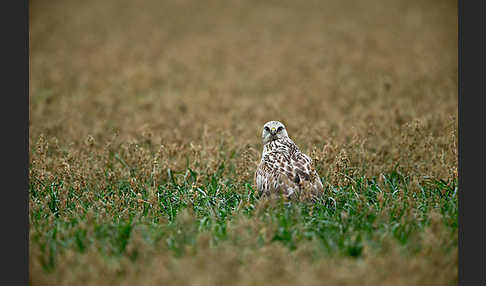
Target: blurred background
171 71
123 91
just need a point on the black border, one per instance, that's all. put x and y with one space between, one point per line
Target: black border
470 129
14 23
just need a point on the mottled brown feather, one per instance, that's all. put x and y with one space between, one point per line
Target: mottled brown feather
285 169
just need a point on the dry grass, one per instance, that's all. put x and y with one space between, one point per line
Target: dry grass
122 89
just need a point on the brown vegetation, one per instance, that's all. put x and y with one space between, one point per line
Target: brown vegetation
364 87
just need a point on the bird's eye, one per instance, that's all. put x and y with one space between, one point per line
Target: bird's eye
280 129
267 129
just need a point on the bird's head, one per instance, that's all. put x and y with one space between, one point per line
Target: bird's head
273 130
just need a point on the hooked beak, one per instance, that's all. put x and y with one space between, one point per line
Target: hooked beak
273 131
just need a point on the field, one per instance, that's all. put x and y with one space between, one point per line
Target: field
145 120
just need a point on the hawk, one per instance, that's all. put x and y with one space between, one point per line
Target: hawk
283 168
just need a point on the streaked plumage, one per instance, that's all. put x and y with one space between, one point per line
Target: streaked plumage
283 168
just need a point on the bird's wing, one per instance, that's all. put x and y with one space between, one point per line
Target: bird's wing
280 172
305 174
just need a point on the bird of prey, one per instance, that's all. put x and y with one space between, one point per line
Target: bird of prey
283 168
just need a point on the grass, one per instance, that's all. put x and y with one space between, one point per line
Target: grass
356 220
144 135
